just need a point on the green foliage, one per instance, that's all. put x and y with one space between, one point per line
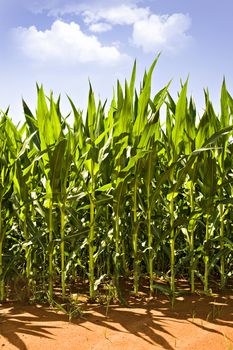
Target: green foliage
118 193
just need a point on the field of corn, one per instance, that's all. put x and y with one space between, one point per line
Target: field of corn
118 192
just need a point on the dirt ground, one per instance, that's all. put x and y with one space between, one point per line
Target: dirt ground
195 323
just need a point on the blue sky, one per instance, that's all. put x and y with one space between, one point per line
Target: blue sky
62 44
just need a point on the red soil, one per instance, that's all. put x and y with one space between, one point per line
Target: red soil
195 323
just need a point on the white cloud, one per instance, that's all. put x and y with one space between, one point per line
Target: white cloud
100 27
161 32
122 14
150 31
65 43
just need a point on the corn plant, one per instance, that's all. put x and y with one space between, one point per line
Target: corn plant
119 192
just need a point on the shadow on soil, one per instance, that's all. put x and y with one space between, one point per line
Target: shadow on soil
145 319
18 320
